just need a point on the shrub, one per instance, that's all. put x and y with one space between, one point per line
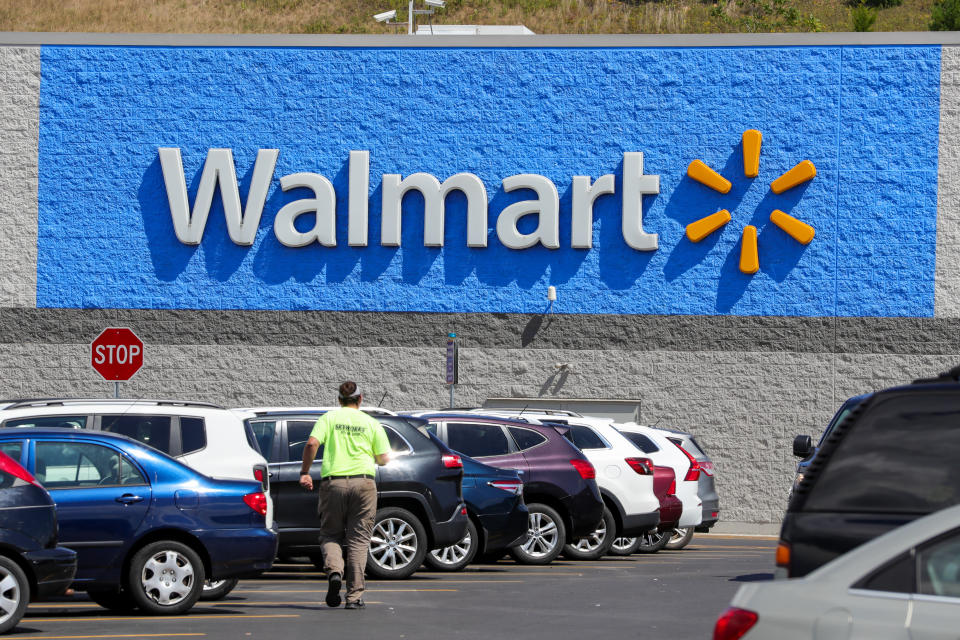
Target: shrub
863 17
945 15
877 4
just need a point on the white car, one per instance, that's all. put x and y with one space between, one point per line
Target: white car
211 439
904 585
624 476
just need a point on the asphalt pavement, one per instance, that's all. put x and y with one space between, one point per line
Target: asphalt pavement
671 594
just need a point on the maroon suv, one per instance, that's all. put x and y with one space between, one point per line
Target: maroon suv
558 480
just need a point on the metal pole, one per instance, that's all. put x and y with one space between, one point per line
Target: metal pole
116 389
410 19
451 395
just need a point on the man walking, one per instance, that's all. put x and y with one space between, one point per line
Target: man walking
353 444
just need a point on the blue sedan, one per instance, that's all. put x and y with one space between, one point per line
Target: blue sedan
147 529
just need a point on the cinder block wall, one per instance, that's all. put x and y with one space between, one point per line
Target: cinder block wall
745 384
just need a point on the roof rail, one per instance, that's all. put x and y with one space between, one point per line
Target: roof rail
53 402
951 375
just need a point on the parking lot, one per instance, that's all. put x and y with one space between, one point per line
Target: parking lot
675 594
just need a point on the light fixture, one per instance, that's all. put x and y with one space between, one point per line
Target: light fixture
389 17
551 296
439 4
386 15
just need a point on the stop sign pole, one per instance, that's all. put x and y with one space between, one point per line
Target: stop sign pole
116 354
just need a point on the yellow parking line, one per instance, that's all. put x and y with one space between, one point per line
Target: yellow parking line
124 635
161 618
697 547
324 591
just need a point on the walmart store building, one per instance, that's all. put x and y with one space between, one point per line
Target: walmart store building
275 214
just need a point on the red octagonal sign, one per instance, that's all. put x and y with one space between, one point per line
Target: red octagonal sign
116 354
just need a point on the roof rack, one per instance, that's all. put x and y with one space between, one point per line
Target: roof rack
951 375
540 410
54 402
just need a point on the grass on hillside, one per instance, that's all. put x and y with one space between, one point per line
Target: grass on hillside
542 16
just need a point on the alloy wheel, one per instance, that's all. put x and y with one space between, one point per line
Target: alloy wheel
167 577
621 544
593 541
11 595
393 543
455 552
543 535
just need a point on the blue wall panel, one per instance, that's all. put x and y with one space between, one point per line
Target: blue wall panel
867 117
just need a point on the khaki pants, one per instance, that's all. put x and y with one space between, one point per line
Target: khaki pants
348 508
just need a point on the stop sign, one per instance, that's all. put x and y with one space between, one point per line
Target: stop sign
116 354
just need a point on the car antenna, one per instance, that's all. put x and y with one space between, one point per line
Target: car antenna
524 408
382 398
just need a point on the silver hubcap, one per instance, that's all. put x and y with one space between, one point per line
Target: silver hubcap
167 577
210 585
678 534
622 544
544 536
10 595
454 553
393 543
593 541
651 539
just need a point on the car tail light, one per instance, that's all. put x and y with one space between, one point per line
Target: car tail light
12 467
262 476
707 467
452 461
643 466
513 486
257 501
463 510
783 554
734 623
585 469
693 473
672 491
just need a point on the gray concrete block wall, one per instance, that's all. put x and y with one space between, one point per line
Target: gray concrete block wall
19 174
947 300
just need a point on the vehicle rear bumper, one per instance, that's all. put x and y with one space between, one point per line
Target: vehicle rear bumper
504 530
638 524
54 570
451 531
585 509
711 515
239 552
670 510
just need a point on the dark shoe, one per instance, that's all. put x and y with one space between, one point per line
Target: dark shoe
334 580
359 604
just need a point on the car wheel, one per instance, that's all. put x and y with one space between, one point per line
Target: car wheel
218 589
679 538
397 546
596 544
547 534
113 599
458 555
165 578
624 546
14 593
652 541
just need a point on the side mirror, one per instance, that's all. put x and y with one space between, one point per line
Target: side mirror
802 446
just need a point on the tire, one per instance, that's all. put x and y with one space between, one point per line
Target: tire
14 594
217 589
456 556
597 543
165 578
679 538
652 541
624 546
547 536
114 600
397 546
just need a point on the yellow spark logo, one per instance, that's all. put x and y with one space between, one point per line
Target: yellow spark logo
796 229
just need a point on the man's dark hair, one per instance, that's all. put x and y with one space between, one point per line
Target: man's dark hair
348 393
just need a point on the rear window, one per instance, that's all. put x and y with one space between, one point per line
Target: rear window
193 434
899 457
526 438
584 437
641 441
263 432
477 440
150 430
397 443
68 422
12 449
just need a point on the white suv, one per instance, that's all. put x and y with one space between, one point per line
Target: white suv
624 475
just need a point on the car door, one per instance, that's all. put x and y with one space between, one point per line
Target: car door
101 497
295 507
487 442
936 605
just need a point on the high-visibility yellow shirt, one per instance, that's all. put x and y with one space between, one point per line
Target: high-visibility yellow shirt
350 440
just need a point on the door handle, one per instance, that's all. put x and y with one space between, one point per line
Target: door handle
129 498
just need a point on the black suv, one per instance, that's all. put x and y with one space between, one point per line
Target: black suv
419 499
890 460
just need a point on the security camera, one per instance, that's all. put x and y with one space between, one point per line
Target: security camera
439 4
387 15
